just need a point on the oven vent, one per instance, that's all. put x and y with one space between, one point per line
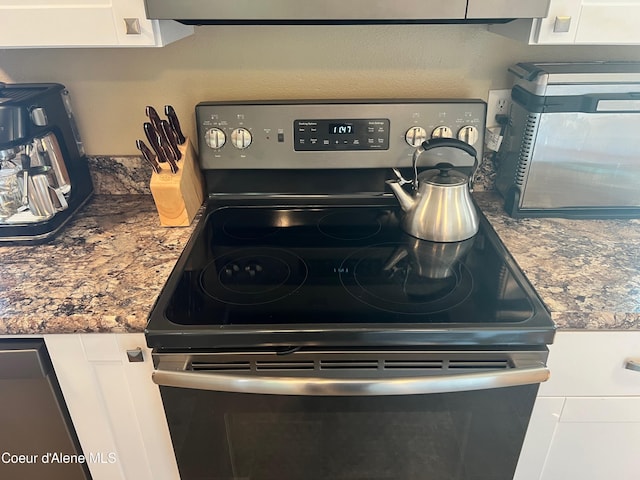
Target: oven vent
284 365
413 364
221 366
526 149
480 364
361 364
258 365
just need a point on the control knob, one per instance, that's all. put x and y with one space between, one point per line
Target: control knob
415 136
442 132
241 138
468 134
215 138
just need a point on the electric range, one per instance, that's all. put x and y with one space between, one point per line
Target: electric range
291 274
303 335
301 244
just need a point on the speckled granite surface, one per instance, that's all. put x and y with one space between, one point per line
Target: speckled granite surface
120 175
102 273
586 271
131 174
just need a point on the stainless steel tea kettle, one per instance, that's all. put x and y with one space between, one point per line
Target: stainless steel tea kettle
441 208
428 260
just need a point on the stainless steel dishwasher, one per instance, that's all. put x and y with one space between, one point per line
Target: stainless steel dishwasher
37 438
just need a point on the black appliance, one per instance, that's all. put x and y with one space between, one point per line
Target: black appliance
37 125
37 432
303 335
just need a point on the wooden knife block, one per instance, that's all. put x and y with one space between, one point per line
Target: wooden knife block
178 196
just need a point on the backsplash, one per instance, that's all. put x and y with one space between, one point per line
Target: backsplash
485 179
120 175
126 175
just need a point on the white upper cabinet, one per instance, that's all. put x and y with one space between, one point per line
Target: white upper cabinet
89 23
580 22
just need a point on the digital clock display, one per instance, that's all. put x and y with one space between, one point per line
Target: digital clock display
342 133
341 129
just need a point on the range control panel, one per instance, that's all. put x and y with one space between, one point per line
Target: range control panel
341 134
334 134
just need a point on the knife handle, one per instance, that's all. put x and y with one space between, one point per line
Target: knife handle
154 118
152 137
171 139
148 155
172 162
175 124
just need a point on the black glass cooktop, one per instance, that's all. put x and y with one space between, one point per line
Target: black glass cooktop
290 275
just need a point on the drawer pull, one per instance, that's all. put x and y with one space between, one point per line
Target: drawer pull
632 365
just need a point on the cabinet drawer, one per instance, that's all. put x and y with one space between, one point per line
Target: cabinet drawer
595 439
601 410
593 364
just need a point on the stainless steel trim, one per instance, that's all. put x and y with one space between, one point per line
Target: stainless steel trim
49 234
562 24
132 26
268 385
582 160
338 10
263 120
507 8
618 106
135 355
632 365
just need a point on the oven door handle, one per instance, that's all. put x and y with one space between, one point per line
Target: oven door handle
310 386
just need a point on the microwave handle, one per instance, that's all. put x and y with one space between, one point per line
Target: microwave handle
619 105
268 385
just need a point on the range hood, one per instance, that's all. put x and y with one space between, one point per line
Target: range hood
264 12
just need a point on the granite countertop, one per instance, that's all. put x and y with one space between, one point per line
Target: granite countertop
586 271
104 271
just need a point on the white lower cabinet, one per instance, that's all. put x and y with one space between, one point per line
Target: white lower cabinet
115 407
586 421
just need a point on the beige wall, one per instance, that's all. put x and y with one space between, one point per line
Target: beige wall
110 87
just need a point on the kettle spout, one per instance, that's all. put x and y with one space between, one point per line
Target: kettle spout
407 202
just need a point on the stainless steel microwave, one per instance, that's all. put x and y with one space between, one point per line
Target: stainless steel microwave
571 146
341 11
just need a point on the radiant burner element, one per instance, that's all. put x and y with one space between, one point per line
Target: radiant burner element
400 288
253 276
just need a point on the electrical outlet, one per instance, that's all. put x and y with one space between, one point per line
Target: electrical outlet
498 103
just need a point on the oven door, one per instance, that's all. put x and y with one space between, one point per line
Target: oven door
352 415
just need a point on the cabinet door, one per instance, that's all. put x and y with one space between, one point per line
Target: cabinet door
57 23
134 29
596 22
90 23
584 364
542 426
544 29
609 22
115 407
596 439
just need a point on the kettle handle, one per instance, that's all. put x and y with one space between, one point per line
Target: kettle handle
449 142
444 142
